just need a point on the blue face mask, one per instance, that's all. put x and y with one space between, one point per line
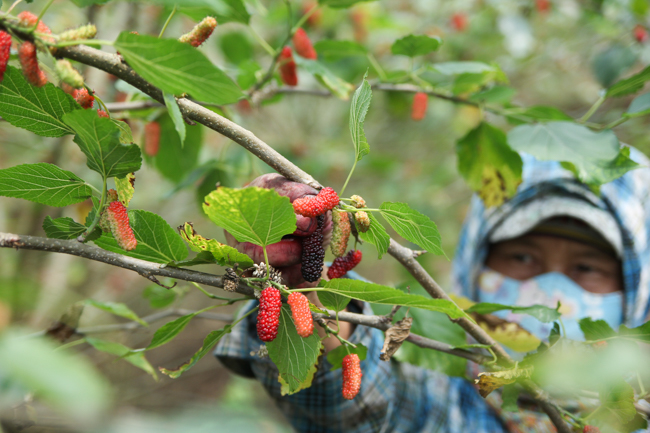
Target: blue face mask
548 289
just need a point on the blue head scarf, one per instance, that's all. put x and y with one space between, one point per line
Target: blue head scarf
627 199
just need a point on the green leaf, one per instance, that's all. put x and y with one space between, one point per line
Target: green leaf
617 403
209 341
484 155
60 378
538 112
159 297
36 109
341 4
157 241
629 85
175 161
494 95
170 330
293 355
98 138
609 64
43 183
332 301
202 258
456 68
257 215
412 226
378 294
510 395
640 333
137 359
335 357
225 10
116 308
338 86
596 329
640 106
62 228
331 50
126 135
595 156
540 312
177 68
221 254
236 46
176 116
416 45
285 388
375 235
358 110
125 189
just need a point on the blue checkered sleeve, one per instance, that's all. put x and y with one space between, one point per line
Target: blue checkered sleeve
394 396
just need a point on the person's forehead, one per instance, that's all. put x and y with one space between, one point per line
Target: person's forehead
549 244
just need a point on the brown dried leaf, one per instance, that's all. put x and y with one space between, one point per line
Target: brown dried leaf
395 336
488 382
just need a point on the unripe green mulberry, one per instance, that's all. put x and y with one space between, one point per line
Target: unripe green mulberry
84 32
363 221
68 74
357 201
200 32
341 232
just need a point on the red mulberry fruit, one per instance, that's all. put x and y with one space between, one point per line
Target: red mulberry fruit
200 33
28 19
341 233
419 108
5 50
301 314
303 45
102 113
83 98
118 219
351 376
288 71
268 317
342 265
591 429
459 22
29 63
312 206
313 253
152 138
640 33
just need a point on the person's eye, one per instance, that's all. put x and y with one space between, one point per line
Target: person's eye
586 268
522 258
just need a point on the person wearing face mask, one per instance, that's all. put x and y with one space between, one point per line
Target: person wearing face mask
555 240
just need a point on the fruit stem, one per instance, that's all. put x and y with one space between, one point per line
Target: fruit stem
592 110
349 176
45 8
91 227
266 262
169 18
213 296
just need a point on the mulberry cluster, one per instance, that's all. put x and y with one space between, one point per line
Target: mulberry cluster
268 317
419 108
313 206
303 45
200 33
342 265
301 314
288 71
29 63
152 138
340 233
5 50
313 253
118 220
351 376
83 98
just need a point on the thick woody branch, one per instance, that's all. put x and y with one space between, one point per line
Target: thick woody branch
114 64
142 267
